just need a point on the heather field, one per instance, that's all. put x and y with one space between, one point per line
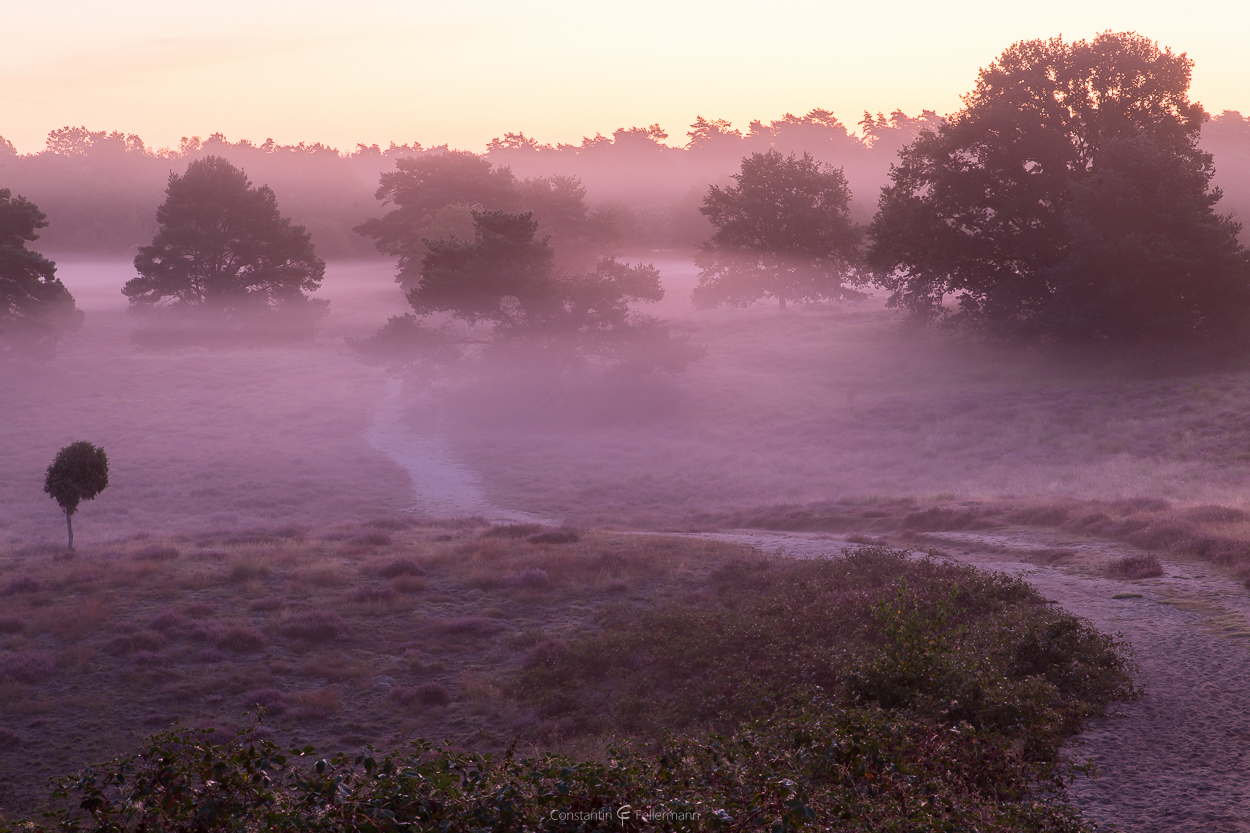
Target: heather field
291 530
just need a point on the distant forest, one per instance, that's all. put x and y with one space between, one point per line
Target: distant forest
100 189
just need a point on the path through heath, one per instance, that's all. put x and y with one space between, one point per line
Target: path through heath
1178 759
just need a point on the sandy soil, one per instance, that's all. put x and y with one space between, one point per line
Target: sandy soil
1178 759
442 487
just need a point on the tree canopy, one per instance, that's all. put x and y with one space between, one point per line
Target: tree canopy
434 197
79 472
1067 201
223 246
35 307
784 231
500 297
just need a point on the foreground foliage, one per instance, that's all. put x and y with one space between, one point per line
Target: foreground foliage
871 692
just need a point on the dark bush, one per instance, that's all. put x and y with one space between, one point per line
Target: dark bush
1136 567
271 700
425 694
9 738
168 620
372 539
11 624
240 639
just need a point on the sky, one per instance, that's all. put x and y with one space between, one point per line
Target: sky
463 73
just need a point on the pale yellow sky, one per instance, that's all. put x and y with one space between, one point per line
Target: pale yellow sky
441 72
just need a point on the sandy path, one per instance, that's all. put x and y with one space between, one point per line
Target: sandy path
1178 759
442 487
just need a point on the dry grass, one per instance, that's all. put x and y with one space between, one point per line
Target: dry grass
402 642
825 403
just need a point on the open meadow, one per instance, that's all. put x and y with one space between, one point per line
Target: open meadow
287 530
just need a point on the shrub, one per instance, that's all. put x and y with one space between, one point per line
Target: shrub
546 653
1136 567
210 655
271 700
401 567
425 694
27 666
168 620
533 577
23 584
11 624
9 738
240 639
564 535
313 625
873 626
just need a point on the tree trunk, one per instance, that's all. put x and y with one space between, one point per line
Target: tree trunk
781 299
69 524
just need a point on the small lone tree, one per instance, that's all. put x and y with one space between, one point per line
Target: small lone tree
79 472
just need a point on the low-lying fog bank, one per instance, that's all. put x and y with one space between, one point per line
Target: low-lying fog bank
813 404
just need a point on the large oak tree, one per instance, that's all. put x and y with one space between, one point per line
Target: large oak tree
1067 201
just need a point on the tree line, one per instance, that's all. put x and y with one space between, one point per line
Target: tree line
1069 201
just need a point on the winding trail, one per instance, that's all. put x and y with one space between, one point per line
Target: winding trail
442 487
1178 759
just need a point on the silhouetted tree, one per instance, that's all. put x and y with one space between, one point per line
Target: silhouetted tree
35 307
422 187
784 231
1068 200
516 307
579 234
223 246
79 472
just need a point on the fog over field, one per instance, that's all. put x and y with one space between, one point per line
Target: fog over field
822 402
819 472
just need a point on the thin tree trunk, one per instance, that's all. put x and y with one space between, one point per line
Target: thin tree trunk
69 524
781 298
